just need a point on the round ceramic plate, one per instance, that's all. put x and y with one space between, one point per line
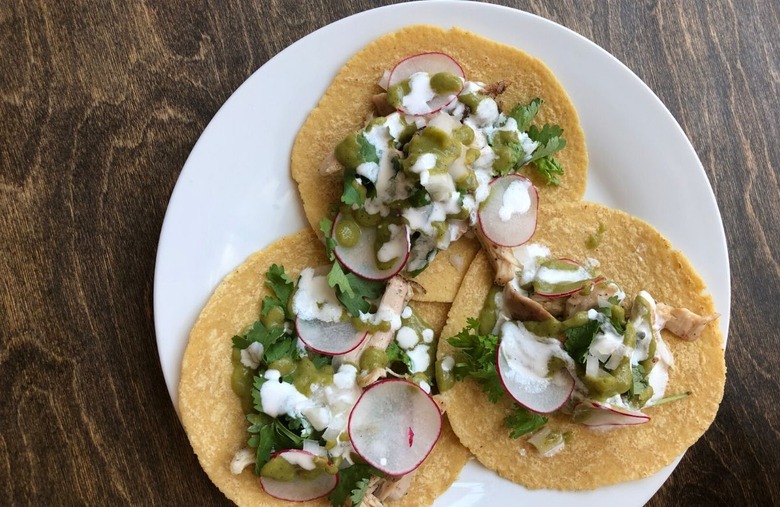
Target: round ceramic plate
235 195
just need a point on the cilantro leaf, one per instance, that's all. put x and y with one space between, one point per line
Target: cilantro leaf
257 385
349 483
476 359
579 338
360 491
284 438
261 439
326 226
550 141
282 286
279 282
258 333
639 381
362 292
278 350
521 421
549 168
524 115
367 150
339 281
352 195
544 136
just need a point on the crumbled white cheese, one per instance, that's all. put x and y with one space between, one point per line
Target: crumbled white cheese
315 299
252 355
420 93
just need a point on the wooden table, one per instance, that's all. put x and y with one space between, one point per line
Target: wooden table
99 107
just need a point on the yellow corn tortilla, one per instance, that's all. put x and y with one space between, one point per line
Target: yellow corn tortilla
345 104
637 257
210 411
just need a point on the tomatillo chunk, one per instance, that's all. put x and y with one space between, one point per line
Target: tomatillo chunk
347 232
274 317
280 469
445 82
444 378
366 219
373 358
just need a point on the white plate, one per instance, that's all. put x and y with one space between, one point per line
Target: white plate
235 195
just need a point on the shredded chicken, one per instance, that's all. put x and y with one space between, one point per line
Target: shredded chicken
397 294
243 458
496 89
579 302
369 500
556 306
393 488
330 166
501 257
382 106
683 322
523 308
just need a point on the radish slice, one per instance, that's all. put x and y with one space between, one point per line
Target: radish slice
595 414
554 295
299 489
538 394
570 287
432 63
361 259
508 215
394 426
330 338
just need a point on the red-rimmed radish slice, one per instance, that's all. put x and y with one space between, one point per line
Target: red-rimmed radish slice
568 288
572 291
595 414
394 426
432 63
538 394
361 259
299 489
330 338
508 215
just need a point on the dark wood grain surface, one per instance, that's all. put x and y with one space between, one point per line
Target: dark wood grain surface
100 104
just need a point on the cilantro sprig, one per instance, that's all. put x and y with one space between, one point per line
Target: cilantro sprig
549 138
522 421
476 359
352 484
282 286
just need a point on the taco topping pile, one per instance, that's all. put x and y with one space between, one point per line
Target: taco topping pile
440 159
560 338
306 373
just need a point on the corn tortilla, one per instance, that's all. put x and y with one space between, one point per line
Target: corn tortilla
210 411
637 257
346 103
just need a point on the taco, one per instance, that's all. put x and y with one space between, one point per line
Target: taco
246 321
577 382
448 110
